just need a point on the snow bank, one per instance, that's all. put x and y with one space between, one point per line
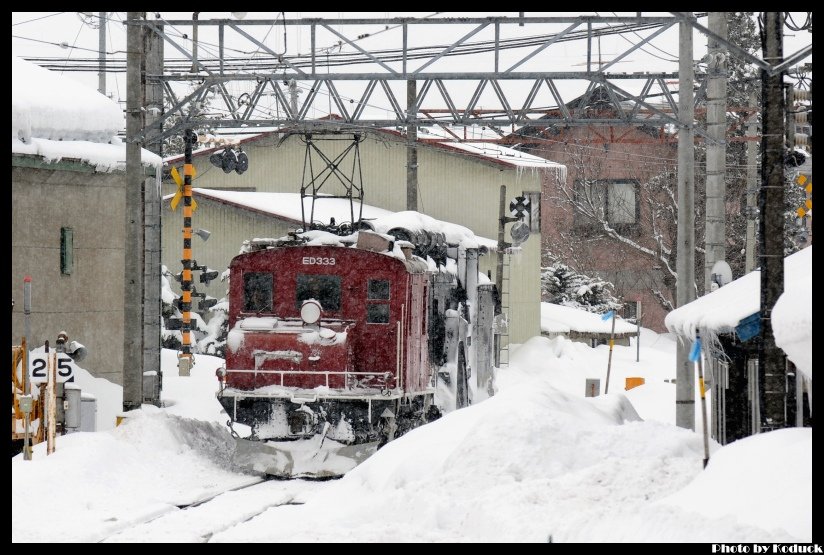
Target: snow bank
792 320
95 484
780 462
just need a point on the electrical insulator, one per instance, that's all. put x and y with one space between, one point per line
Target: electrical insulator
801 94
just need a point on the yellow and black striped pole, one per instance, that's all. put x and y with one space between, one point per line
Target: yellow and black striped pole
185 357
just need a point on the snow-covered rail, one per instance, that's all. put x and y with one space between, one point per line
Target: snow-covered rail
198 520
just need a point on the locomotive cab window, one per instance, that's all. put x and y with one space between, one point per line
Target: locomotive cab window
257 292
322 288
377 290
377 313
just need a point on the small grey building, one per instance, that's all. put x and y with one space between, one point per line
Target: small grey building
68 188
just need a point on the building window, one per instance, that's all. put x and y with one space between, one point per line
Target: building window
615 201
323 288
257 292
66 250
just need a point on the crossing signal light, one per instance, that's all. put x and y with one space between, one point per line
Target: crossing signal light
206 277
242 163
228 160
205 304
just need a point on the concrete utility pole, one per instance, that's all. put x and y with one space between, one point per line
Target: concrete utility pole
194 69
715 230
101 53
293 97
752 183
152 305
133 263
771 366
685 260
411 147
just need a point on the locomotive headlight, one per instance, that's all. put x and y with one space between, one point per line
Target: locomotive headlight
310 311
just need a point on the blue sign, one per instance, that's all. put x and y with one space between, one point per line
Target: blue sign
608 315
695 353
749 327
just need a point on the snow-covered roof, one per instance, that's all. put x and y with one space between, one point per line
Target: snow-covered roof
55 117
722 310
287 206
556 318
504 154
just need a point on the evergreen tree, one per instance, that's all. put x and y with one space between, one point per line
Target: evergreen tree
562 285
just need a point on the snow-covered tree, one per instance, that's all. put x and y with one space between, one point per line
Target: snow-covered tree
217 329
562 285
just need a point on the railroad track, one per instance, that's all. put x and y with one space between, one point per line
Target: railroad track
198 521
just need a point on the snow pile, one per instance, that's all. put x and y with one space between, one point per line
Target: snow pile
792 320
47 105
192 396
561 319
534 463
782 457
95 484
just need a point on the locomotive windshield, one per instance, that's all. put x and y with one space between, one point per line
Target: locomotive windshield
323 288
257 292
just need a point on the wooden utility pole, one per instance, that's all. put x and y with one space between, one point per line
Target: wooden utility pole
771 365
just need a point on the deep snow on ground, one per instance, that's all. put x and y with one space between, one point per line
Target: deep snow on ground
536 460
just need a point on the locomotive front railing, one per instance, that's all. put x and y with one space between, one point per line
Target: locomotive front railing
352 380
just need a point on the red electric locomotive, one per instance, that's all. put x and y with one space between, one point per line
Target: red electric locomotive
339 349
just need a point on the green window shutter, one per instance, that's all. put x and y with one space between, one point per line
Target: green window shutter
66 250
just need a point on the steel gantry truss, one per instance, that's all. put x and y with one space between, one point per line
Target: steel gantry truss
275 76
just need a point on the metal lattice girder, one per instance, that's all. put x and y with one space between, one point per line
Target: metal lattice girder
628 108
265 103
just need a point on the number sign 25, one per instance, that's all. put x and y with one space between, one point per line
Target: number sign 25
39 368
